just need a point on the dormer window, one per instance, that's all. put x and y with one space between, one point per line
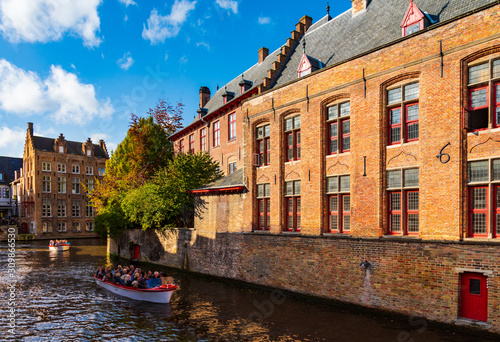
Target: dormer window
414 20
227 96
89 153
307 65
245 84
61 149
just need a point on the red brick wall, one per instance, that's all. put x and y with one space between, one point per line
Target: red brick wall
442 186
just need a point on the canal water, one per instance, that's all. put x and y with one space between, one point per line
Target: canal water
57 300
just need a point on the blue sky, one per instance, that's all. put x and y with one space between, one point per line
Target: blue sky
80 67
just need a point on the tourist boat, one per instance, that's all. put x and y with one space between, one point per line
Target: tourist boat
160 294
59 247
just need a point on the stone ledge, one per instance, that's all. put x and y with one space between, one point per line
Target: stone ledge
472 323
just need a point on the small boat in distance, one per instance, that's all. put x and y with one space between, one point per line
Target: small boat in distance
59 245
160 294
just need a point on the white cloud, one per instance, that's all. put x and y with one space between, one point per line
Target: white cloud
166 56
13 139
73 66
183 60
125 18
205 44
97 136
264 20
48 20
228 5
161 27
128 2
60 96
126 61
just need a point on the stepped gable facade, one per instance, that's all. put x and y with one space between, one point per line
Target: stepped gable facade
372 136
52 186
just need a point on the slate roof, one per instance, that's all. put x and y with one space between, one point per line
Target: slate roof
231 180
7 167
344 37
73 147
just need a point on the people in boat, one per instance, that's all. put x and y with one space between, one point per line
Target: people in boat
166 279
154 281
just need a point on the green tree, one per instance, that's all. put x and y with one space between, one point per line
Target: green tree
165 200
145 150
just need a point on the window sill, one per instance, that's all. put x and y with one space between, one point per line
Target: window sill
263 167
291 233
292 162
401 237
260 232
408 143
231 140
339 154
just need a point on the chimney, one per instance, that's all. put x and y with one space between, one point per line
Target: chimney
263 53
204 96
30 128
359 6
305 22
102 144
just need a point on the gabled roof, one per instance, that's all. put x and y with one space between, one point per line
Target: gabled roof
73 147
344 37
7 167
413 14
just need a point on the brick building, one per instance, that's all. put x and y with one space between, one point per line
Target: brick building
52 184
374 135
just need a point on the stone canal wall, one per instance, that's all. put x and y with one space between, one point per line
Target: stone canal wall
409 277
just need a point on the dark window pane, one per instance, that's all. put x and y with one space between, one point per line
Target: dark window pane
413 201
296 122
413 28
475 286
346 143
496 68
333 146
413 223
479 223
267 130
333 203
396 223
413 131
288 124
395 134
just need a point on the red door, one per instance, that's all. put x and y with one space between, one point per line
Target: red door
24 228
137 249
474 297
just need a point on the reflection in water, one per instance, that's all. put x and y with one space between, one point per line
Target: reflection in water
58 301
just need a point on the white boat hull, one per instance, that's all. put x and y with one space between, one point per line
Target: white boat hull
147 295
59 248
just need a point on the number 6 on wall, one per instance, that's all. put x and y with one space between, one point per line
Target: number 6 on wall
444 157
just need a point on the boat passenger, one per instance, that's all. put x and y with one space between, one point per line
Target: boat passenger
51 243
166 279
143 284
154 281
116 277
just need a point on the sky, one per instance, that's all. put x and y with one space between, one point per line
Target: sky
81 67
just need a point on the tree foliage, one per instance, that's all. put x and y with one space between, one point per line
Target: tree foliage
144 184
165 201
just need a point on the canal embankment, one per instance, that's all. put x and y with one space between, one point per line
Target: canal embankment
412 278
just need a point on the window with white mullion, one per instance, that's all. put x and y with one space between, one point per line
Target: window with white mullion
263 206
484 199
293 206
292 138
403 201
403 113
263 145
338 128
339 204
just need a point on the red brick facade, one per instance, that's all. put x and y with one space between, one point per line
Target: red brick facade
420 233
